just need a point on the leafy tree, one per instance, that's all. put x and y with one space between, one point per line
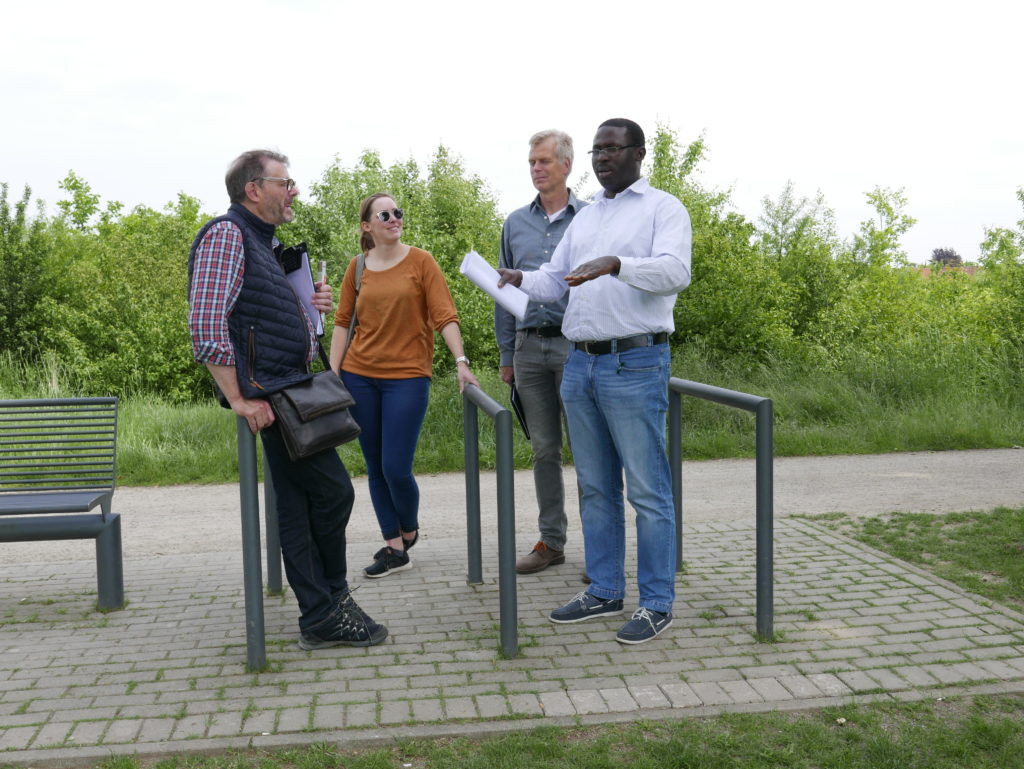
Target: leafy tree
736 302
879 242
23 246
946 257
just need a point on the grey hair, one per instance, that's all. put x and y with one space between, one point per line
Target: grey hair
247 167
563 142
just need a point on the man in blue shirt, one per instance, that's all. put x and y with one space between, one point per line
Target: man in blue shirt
533 350
623 261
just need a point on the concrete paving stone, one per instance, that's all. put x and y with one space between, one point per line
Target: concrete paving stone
800 686
524 704
21 695
740 691
190 727
842 653
35 719
379 684
706 676
471 667
710 693
52 734
259 722
557 674
491 705
908 627
293 719
451 679
917 675
888 679
1000 669
618 671
648 695
533 686
681 695
88 732
619 700
155 729
947 644
427 710
947 674
998 640
329 716
206 706
460 707
673 668
157 687
928 658
360 714
973 671
781 658
767 671
409 694
587 701
122 730
343 697
494 676
17 738
903 649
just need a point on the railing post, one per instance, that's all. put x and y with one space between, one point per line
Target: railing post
255 640
273 533
765 520
470 440
507 598
675 460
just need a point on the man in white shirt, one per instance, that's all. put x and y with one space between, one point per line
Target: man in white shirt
624 259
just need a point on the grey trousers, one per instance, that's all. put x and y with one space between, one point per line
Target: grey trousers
538 367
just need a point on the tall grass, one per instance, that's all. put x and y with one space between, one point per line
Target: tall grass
933 393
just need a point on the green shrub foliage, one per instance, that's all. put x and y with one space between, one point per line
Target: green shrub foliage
99 292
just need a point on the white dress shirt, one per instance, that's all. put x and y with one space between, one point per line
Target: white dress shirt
649 230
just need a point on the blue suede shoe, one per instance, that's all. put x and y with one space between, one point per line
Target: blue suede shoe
644 625
586 606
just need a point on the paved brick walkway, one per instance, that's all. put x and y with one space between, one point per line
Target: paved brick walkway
167 673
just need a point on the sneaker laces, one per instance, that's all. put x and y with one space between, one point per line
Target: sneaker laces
643 613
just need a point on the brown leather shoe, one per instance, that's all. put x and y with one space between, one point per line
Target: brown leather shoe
539 559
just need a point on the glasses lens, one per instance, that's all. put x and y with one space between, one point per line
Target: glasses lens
290 184
384 216
399 213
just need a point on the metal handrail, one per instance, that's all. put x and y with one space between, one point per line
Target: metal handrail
473 399
763 411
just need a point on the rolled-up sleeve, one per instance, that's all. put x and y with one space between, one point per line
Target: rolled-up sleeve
667 270
216 283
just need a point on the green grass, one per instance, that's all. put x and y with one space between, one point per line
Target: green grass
980 733
981 551
926 397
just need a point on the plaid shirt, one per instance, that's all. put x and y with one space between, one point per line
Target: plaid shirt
216 284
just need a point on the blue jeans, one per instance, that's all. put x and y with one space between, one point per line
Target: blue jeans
616 405
314 502
390 413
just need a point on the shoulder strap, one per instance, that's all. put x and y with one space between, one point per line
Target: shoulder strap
360 264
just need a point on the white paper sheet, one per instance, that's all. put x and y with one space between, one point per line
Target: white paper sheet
486 277
302 284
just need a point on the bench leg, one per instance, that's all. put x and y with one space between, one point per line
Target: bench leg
109 571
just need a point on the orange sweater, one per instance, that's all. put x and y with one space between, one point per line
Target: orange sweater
399 310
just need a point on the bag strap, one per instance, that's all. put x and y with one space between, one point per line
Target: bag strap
360 264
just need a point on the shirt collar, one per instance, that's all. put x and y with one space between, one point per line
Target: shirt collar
573 204
639 187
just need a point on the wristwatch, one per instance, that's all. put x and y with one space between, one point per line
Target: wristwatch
462 359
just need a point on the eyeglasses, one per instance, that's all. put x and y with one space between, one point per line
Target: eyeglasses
613 150
289 184
385 216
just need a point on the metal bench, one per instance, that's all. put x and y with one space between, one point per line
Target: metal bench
57 465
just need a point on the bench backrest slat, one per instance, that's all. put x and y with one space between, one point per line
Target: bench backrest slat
62 444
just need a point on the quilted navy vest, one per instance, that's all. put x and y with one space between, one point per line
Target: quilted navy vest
267 326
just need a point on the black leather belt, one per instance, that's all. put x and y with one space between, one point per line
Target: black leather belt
545 332
618 345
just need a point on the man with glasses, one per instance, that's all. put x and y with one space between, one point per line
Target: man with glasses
533 350
255 338
623 260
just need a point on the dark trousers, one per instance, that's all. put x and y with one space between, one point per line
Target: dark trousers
314 502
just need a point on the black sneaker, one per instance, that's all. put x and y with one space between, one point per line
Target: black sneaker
644 625
351 627
386 561
586 606
345 602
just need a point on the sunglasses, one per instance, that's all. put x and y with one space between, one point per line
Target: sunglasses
385 216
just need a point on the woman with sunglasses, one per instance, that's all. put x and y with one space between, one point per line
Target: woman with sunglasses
402 300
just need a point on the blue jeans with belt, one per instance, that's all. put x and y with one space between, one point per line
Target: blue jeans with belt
616 405
390 414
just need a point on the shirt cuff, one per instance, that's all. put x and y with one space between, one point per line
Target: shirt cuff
627 269
212 352
505 357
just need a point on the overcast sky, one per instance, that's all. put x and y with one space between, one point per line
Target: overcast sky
146 100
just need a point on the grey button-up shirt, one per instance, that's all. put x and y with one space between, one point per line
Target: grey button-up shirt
528 240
